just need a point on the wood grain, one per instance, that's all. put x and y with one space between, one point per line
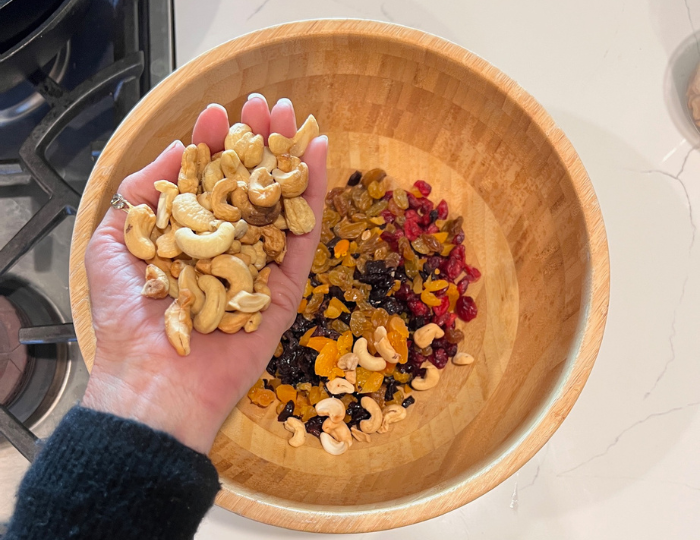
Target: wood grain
420 107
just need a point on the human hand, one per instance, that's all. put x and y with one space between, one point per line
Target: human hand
137 374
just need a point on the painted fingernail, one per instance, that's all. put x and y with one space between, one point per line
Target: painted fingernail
174 144
324 138
256 95
284 101
216 106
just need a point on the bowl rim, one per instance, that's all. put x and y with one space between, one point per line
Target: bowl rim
514 453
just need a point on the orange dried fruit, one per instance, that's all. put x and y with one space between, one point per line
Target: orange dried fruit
436 285
302 305
321 289
397 324
441 236
279 350
335 308
286 392
261 396
304 340
402 377
446 248
308 289
327 358
307 413
315 395
345 342
453 295
341 248
317 343
368 381
398 342
389 369
430 299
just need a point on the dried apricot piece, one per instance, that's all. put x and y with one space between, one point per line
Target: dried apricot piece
261 397
453 295
397 324
321 289
345 342
440 237
308 289
319 342
304 340
430 299
335 308
398 342
436 285
327 358
368 381
341 248
286 392
302 305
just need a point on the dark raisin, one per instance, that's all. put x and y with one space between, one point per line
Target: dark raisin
375 267
433 215
330 245
392 306
286 412
439 358
414 323
336 292
315 426
268 385
357 413
406 403
315 281
354 178
345 317
451 350
391 385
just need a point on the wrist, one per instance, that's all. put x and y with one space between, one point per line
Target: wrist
151 400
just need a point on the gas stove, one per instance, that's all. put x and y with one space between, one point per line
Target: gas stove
53 125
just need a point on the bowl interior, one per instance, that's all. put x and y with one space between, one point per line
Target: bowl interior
420 108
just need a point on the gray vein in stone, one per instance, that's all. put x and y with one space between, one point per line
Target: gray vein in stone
622 434
385 12
259 8
636 478
692 26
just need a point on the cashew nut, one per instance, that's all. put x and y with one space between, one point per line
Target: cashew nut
137 231
253 323
248 303
244 257
157 284
287 163
166 245
431 378
332 446
253 272
293 183
209 317
204 199
251 236
260 284
203 159
177 266
338 430
392 414
374 422
235 247
178 322
165 265
300 217
366 360
156 233
296 146
332 408
235 132
230 163
235 271
260 255
425 335
249 149
359 435
219 204
168 192
281 223
187 281
340 386
386 350
251 254
232 322
274 243
203 266
262 189
189 213
188 180
462 359
348 363
269 161
206 246
298 429
212 174
254 215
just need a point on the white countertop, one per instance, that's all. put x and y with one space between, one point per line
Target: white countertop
625 462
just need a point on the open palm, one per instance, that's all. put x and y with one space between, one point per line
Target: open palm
137 374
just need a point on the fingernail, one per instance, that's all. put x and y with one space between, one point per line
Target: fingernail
284 101
324 137
256 95
216 105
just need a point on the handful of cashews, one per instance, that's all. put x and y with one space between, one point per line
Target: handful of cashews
213 233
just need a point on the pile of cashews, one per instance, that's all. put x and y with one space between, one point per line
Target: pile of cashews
213 233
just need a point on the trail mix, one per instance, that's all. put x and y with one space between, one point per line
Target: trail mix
378 316
213 233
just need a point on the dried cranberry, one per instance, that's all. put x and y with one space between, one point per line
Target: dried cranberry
426 206
412 201
466 308
458 252
406 403
462 286
423 187
446 320
418 308
432 229
412 230
425 220
433 262
412 215
439 358
459 238
473 274
354 178
451 350
440 343
388 195
442 209
286 412
404 292
451 268
315 426
442 308
388 216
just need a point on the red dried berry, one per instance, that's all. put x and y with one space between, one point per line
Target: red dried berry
439 358
388 195
388 216
418 308
458 238
412 201
452 268
412 230
432 229
462 286
458 253
390 239
423 187
446 320
426 205
404 292
442 308
466 308
432 263
442 209
412 215
473 274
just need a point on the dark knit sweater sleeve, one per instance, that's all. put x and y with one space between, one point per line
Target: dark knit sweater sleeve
103 477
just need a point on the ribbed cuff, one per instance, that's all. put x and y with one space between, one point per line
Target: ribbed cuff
103 477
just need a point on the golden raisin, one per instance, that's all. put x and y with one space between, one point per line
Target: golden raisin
279 350
302 305
322 289
261 397
335 308
304 387
339 326
286 392
402 377
430 299
368 381
361 199
376 209
315 395
357 322
348 229
345 343
436 285
347 399
400 198
376 190
308 289
380 317
373 175
417 284
330 217
307 413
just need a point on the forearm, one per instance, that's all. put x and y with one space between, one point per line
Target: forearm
104 477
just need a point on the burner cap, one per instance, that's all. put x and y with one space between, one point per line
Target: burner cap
14 357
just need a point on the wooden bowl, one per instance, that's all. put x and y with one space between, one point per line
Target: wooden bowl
419 107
